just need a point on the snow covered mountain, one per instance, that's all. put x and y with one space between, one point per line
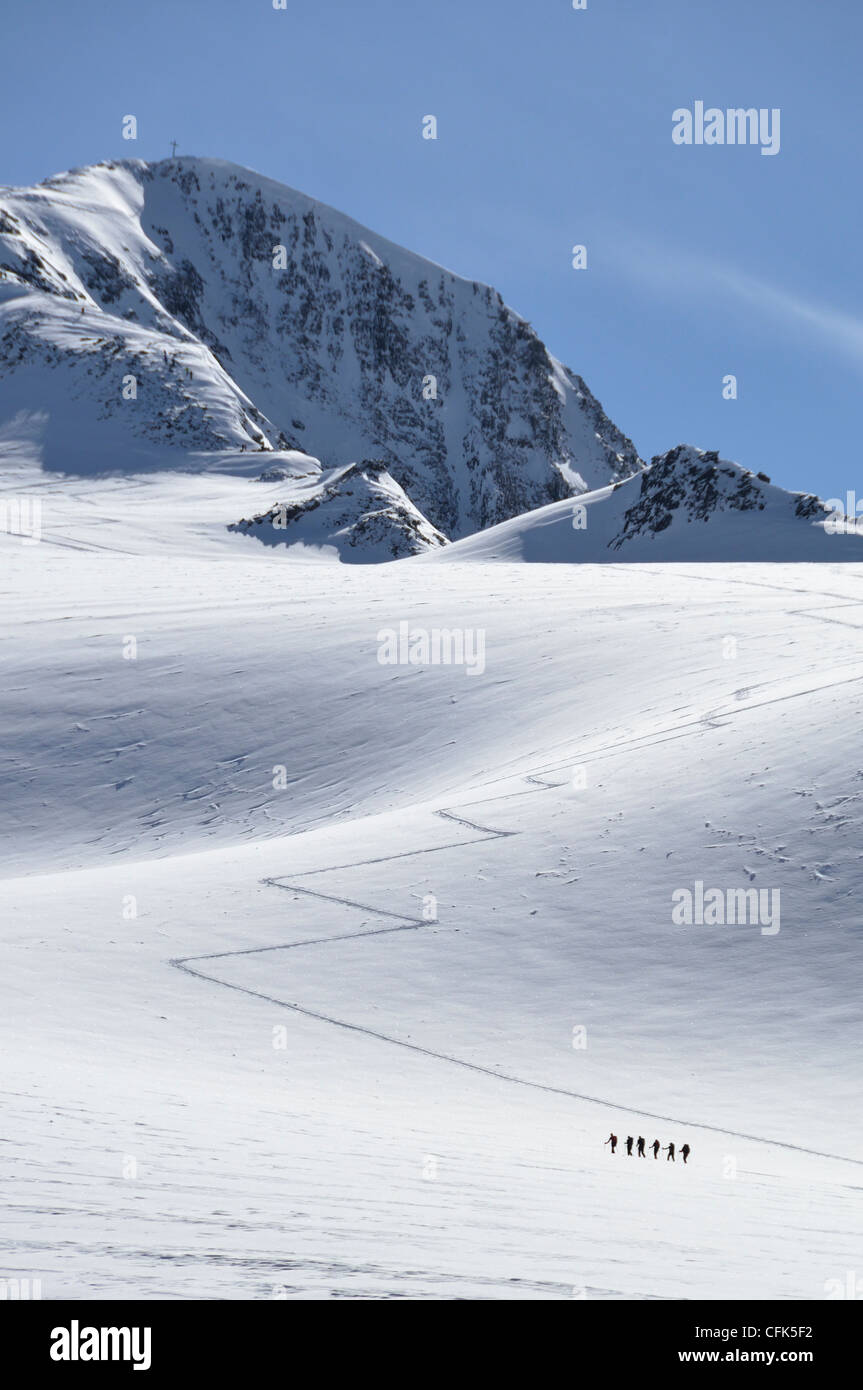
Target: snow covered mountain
148 310
686 505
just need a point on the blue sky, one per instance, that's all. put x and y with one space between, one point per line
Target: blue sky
554 129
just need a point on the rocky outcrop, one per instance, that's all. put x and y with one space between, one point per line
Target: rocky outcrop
358 511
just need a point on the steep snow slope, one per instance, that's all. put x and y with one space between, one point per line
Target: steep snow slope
66 372
378 1056
254 317
687 505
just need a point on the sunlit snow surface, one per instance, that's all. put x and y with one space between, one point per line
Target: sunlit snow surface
278 1078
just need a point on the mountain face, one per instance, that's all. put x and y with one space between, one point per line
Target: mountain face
686 505
150 311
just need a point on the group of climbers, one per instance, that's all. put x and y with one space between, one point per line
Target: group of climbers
668 1149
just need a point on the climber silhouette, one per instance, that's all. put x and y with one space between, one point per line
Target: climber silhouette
670 1152
656 1146
629 1143
612 1140
641 1142
685 1152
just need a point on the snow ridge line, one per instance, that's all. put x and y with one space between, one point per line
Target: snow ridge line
488 833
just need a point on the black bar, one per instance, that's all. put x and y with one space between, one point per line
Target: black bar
224 1339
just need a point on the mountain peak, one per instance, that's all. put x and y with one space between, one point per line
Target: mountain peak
192 304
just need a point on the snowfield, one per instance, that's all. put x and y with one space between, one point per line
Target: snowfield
324 977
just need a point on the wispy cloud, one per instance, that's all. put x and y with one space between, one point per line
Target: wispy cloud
692 275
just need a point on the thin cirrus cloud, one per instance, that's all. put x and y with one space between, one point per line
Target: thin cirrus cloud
689 274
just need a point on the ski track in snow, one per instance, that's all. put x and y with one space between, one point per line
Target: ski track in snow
407 923
315 1198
